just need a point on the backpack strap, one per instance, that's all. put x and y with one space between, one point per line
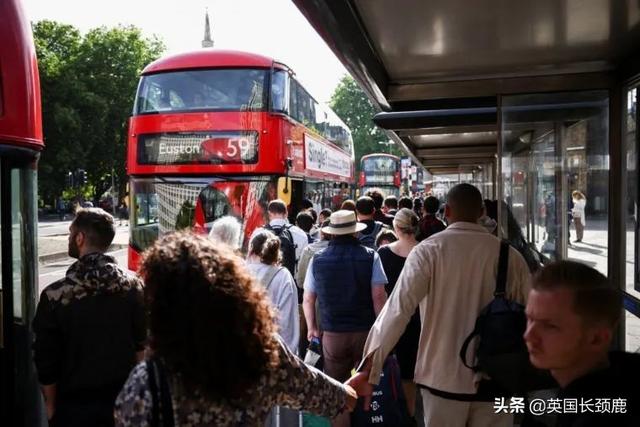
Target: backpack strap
503 267
465 346
501 282
272 272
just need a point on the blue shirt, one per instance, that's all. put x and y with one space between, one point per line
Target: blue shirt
378 276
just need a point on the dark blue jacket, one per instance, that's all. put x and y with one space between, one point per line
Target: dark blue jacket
342 274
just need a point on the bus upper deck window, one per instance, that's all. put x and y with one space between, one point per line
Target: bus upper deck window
278 91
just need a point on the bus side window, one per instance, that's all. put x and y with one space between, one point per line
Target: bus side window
278 83
293 100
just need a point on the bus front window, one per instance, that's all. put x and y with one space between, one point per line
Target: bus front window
235 89
162 205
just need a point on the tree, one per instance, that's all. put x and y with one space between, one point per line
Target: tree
354 108
110 61
88 86
57 45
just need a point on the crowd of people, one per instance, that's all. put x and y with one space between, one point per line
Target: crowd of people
207 335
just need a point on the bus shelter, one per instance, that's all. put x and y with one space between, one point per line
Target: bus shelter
529 100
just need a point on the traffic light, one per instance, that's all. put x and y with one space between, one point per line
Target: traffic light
81 177
70 180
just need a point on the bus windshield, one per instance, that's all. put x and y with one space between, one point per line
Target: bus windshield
379 170
228 89
161 205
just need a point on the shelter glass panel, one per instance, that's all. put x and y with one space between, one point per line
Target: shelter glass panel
555 174
632 282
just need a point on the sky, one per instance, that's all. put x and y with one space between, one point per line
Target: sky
273 28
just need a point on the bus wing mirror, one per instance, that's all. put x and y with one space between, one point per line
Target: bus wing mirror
284 189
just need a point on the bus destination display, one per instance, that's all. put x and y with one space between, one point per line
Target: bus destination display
188 148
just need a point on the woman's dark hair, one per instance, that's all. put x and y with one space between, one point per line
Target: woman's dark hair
326 213
377 198
417 203
208 319
305 221
385 234
391 202
405 202
348 205
431 205
313 214
306 204
365 206
514 232
266 246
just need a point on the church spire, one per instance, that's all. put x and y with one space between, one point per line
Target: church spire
207 42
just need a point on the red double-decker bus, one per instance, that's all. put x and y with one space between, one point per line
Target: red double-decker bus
217 133
380 171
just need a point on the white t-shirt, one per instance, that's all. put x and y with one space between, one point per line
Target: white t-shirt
283 295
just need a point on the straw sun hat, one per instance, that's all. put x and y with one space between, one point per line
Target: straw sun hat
343 222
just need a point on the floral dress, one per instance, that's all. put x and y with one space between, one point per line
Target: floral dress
291 383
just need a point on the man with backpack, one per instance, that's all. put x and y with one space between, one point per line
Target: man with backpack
365 207
452 277
292 239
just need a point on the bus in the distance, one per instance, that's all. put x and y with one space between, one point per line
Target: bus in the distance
217 133
380 171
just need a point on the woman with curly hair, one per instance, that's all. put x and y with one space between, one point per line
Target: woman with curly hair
215 358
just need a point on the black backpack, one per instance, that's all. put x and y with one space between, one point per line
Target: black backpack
287 246
501 352
369 240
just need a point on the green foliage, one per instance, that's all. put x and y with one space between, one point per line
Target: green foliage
88 86
354 108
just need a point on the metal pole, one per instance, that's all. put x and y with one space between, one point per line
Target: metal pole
113 184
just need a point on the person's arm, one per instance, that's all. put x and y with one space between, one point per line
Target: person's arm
303 265
378 280
49 393
411 288
287 306
302 387
309 307
133 405
47 351
379 296
309 303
